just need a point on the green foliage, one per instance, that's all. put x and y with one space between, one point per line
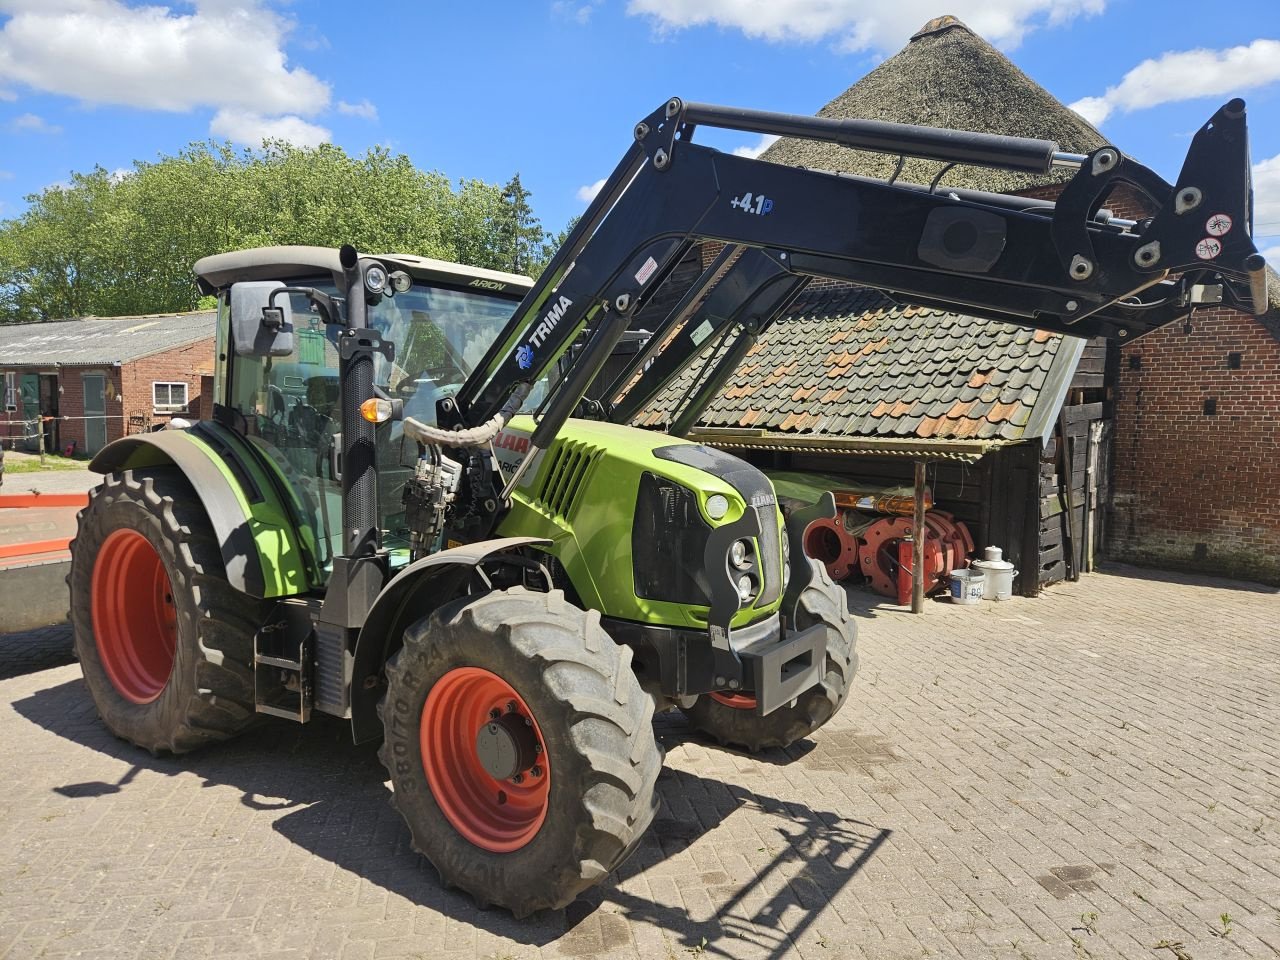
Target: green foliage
116 244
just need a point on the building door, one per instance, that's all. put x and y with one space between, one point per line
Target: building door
29 390
49 408
95 412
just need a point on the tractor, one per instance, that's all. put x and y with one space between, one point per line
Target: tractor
403 513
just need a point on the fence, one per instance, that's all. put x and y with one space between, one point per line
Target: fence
29 429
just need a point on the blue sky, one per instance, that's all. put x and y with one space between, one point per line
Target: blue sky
551 88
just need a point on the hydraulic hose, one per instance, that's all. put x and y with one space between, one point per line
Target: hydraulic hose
474 436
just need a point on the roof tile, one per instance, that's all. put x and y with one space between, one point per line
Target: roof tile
847 360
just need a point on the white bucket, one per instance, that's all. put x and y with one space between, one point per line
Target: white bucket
999 573
966 586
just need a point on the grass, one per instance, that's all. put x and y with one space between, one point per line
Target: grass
15 462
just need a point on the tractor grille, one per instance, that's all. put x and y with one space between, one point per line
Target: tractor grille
770 552
568 468
758 493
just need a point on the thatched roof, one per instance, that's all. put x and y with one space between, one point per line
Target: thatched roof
947 76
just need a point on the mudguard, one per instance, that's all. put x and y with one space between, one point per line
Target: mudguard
258 532
411 594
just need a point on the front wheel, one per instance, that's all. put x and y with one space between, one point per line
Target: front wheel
731 718
520 746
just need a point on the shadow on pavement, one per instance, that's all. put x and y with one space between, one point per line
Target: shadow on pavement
30 651
335 804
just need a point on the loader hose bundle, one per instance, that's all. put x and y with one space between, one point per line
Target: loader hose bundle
473 437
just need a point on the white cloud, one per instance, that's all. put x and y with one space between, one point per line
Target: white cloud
1266 197
767 140
7 96
224 54
588 193
30 123
861 24
364 109
579 13
252 128
1272 256
1185 75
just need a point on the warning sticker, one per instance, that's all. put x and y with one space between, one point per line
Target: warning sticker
646 270
1208 248
701 333
1217 225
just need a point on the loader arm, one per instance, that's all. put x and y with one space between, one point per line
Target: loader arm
1067 267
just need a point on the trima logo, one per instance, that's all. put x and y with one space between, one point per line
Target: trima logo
549 321
524 357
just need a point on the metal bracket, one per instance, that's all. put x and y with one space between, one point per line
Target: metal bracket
353 343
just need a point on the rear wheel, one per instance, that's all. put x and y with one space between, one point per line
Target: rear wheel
730 717
520 747
165 644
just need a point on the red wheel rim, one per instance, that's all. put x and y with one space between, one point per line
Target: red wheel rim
738 701
496 815
135 622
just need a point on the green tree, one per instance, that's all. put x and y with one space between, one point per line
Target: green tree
112 244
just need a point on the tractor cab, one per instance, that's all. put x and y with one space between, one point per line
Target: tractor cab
283 394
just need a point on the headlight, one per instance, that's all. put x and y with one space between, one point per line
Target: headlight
786 559
717 506
375 279
746 589
740 554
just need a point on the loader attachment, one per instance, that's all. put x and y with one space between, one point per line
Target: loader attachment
1070 267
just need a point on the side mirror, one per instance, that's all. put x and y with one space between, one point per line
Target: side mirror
259 327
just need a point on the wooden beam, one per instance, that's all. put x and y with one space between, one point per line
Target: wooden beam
917 531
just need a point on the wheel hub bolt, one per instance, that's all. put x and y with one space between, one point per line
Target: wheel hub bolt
518 778
506 746
495 713
536 771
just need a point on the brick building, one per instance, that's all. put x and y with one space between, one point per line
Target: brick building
1197 446
101 377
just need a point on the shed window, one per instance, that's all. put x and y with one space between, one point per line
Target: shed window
169 397
10 390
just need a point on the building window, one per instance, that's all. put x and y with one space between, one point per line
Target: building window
169 397
10 390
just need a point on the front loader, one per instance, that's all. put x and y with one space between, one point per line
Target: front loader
404 514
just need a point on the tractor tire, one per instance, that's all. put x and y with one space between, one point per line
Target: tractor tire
164 642
731 718
529 674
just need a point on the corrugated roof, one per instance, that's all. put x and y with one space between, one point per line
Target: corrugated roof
93 340
849 362
946 77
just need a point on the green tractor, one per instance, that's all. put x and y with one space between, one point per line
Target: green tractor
404 514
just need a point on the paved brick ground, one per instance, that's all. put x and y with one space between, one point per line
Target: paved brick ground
1090 774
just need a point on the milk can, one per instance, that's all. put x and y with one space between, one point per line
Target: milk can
999 574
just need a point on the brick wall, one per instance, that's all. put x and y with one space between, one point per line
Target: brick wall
1194 488
71 405
186 364
1191 489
